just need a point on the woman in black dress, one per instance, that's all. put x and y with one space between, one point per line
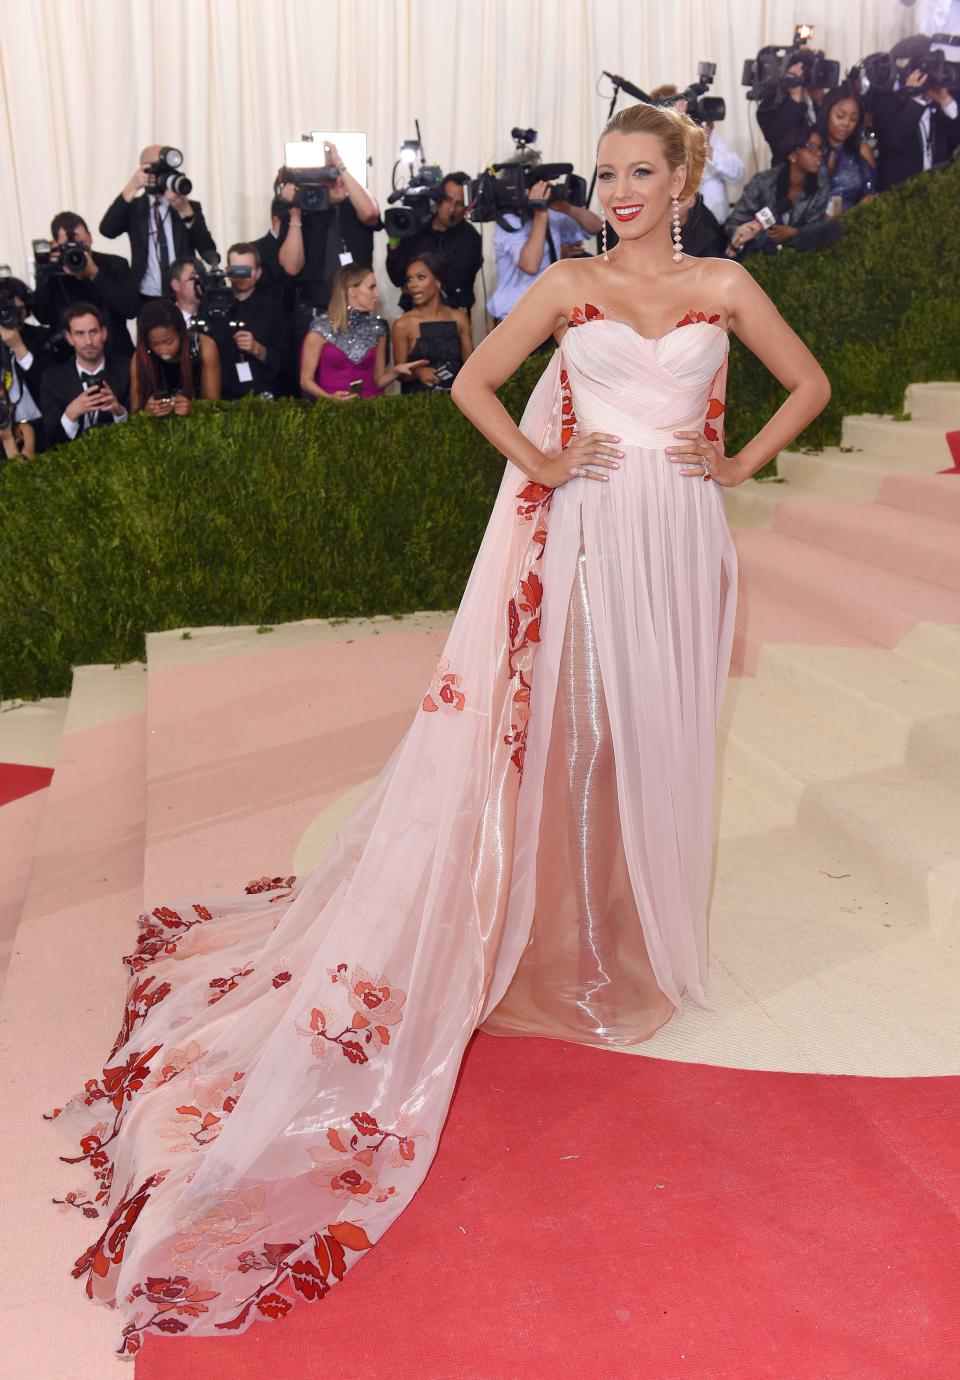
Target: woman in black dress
165 372
430 330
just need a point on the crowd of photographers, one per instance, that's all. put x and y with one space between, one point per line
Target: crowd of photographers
295 312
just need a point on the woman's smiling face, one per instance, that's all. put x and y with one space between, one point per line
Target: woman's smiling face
635 182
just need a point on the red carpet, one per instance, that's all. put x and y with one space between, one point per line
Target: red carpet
596 1216
16 780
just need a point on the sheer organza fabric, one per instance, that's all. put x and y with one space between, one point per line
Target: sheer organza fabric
534 858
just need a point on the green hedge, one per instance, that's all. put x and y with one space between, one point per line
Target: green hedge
265 512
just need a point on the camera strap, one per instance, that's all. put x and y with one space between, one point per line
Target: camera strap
551 247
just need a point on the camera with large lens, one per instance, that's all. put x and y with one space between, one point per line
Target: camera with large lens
167 174
215 290
73 256
769 82
11 315
505 187
701 107
304 167
884 72
414 206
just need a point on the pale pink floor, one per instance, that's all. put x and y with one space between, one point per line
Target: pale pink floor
19 824
245 752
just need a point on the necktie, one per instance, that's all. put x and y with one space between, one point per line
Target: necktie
163 253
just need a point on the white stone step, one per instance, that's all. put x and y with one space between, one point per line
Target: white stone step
907 442
934 402
851 792
911 711
934 645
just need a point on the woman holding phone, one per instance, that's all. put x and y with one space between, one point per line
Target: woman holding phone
165 376
345 351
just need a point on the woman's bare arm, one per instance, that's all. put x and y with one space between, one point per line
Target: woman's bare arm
209 368
500 354
756 321
312 345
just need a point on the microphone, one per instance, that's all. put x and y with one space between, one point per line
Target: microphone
629 87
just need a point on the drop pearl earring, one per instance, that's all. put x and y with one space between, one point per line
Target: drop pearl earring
603 241
677 255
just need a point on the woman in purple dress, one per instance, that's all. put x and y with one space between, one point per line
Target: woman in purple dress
345 351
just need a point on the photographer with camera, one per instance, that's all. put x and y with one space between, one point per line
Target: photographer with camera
185 288
786 204
24 354
320 242
449 237
88 391
253 337
792 102
73 271
165 375
916 124
529 240
161 223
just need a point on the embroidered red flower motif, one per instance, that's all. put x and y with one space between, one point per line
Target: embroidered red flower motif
694 316
568 418
281 979
108 1250
444 692
306 1264
589 313
274 1306
262 884
715 408
224 985
532 497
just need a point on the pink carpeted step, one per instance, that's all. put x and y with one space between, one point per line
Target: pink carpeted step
899 539
244 751
874 603
762 618
936 495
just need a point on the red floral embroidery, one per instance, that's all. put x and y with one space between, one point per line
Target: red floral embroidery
262 884
376 1006
222 986
358 1176
589 313
76 1199
168 1296
568 418
532 497
307 1265
108 1249
715 408
120 1084
160 933
281 979
694 316
444 692
206 1124
140 1000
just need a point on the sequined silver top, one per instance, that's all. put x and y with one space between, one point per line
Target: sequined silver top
362 333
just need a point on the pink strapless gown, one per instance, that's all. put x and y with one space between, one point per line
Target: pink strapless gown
534 857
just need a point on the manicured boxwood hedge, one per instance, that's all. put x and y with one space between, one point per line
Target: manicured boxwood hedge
263 512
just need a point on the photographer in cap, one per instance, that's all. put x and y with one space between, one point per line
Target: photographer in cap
24 354
88 391
75 272
450 238
319 243
524 252
161 223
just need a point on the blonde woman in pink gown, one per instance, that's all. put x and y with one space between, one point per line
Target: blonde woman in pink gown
535 857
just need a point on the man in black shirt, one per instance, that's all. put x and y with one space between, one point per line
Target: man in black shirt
253 349
452 238
105 280
317 244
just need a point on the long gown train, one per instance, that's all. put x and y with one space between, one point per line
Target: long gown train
534 858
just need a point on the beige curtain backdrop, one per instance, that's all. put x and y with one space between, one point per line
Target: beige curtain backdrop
86 83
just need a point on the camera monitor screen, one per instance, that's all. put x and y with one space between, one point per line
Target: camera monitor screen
307 153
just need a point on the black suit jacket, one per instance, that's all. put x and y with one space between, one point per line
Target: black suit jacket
266 322
61 384
113 291
900 139
133 218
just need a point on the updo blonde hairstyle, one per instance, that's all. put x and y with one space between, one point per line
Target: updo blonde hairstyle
684 142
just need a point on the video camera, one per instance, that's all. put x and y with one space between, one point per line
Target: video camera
885 71
505 187
311 176
215 290
166 173
701 107
767 77
417 203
